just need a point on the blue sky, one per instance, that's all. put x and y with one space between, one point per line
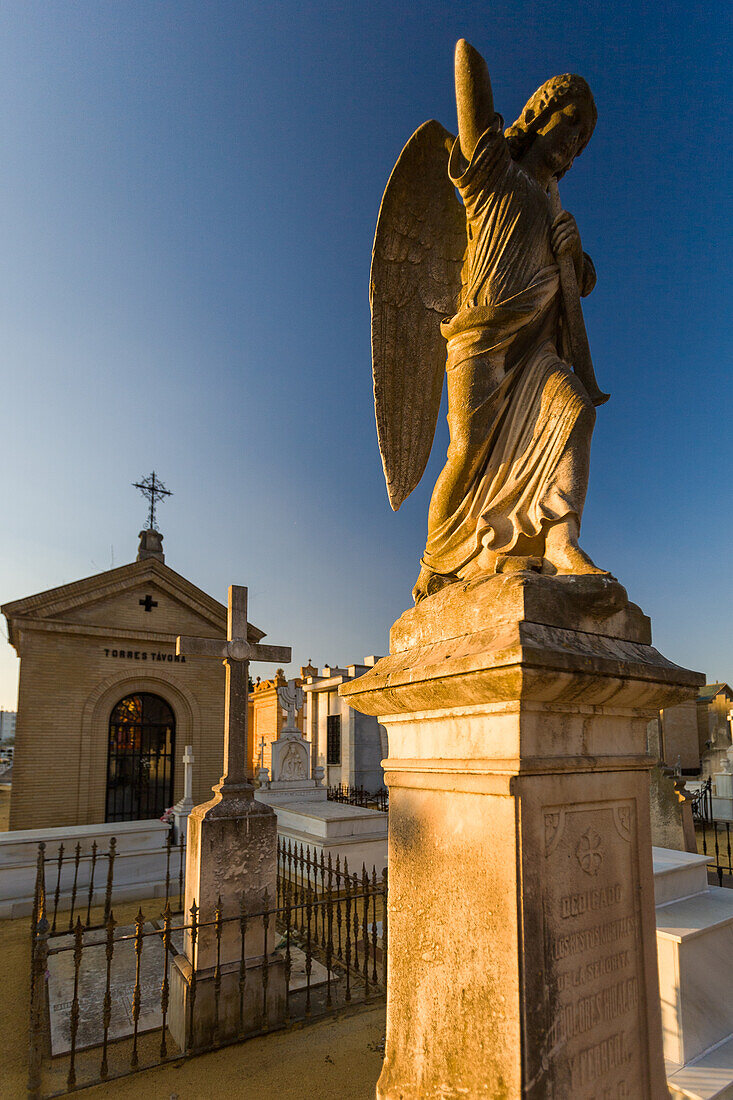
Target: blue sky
188 194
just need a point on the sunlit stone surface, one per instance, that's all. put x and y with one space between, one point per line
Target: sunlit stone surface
522 953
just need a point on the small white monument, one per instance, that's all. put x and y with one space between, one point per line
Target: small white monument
304 814
723 789
183 807
291 779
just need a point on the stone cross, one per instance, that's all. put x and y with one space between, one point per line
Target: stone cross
290 698
236 653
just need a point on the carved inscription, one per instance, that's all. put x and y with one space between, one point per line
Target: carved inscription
593 965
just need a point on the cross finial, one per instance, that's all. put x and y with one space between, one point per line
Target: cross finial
236 652
154 489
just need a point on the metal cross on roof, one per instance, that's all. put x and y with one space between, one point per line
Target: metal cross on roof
236 652
154 490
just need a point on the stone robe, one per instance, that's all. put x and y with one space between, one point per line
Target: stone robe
512 401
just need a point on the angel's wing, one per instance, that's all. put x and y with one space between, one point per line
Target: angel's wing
415 281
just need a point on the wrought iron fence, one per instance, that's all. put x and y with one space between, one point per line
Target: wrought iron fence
714 837
702 803
358 796
97 868
103 1003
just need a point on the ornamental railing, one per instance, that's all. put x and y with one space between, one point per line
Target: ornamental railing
103 1003
71 881
702 802
715 838
359 796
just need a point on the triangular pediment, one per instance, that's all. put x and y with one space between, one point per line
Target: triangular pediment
146 595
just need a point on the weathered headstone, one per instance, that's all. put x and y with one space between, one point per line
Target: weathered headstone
232 859
91 988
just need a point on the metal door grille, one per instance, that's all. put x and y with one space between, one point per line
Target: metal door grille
142 730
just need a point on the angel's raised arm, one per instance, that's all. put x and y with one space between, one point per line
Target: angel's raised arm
474 98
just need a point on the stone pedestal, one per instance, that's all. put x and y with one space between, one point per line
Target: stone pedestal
522 952
231 854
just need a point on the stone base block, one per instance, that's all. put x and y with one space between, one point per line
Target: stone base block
550 990
232 856
198 1021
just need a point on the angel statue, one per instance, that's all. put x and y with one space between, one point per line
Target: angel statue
497 278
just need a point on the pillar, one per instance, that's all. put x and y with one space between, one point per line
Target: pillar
522 946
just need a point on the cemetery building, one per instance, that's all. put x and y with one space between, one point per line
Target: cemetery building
714 708
697 730
105 706
348 744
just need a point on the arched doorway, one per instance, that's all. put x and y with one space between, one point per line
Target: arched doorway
142 736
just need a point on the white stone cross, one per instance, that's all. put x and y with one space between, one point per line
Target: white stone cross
236 652
290 698
183 807
188 773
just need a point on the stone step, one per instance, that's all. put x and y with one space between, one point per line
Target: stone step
700 915
710 1077
695 952
678 874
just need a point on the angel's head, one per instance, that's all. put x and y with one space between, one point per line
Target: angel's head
556 123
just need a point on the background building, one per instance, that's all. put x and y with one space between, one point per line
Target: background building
351 746
7 725
696 733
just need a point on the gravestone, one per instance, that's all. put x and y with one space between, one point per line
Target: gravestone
92 988
290 756
231 857
522 954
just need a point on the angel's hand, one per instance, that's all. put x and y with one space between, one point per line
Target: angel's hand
565 238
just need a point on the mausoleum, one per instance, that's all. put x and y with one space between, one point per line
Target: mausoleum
105 706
